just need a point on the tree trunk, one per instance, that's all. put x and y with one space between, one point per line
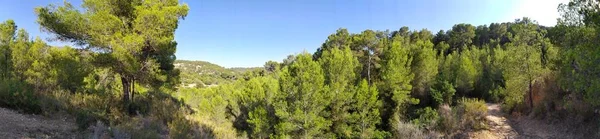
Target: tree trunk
132 88
369 68
530 95
126 90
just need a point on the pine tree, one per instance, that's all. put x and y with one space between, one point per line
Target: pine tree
259 97
7 33
40 74
366 112
467 71
339 66
134 38
20 56
396 78
424 65
302 101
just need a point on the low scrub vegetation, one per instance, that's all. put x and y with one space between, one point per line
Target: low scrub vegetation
472 113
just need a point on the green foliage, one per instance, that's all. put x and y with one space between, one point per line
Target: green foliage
424 64
20 57
428 118
337 40
490 79
472 113
215 107
84 119
461 37
303 100
467 71
442 92
496 94
16 94
205 74
366 112
396 74
272 66
8 29
576 34
135 39
71 68
259 120
368 49
396 85
260 95
339 66
521 65
442 48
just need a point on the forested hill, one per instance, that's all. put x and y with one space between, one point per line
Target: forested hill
205 74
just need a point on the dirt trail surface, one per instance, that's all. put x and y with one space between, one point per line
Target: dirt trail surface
17 125
499 127
522 127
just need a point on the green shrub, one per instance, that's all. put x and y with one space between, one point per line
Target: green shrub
428 118
84 119
55 101
381 135
163 109
18 95
495 95
513 104
472 113
88 108
442 92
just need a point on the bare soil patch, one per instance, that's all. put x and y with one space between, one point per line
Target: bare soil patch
17 125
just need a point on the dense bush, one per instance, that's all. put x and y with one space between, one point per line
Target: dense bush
496 95
472 113
18 95
442 92
428 118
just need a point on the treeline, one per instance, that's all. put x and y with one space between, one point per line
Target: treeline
403 83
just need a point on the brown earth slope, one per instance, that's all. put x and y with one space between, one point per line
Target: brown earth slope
17 125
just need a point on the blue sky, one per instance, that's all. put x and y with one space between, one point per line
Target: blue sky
236 33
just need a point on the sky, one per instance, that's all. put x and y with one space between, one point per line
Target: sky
239 33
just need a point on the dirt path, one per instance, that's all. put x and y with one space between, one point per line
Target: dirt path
16 125
523 127
499 127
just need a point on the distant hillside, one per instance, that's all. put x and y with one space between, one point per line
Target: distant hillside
206 74
243 69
